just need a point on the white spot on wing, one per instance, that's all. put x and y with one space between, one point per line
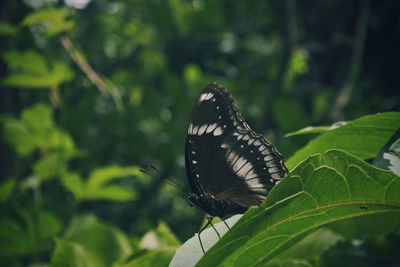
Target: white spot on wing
195 129
246 137
202 129
190 129
218 131
211 128
206 96
269 157
257 143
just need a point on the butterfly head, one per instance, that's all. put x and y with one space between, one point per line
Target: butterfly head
208 203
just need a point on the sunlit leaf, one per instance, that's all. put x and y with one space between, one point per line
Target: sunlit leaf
54 20
101 184
36 130
51 165
320 191
33 70
363 137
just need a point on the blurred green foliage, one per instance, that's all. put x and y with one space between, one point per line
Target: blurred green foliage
118 81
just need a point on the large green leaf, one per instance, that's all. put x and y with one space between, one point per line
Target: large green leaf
322 190
363 137
90 242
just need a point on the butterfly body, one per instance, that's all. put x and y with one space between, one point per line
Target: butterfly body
229 167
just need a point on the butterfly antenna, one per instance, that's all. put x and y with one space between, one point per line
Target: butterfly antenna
154 168
169 181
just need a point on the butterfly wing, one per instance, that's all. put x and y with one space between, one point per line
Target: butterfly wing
224 157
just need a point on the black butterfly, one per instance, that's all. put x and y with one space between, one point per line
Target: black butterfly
229 167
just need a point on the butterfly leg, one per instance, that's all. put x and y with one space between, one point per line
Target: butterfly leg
209 219
212 225
225 223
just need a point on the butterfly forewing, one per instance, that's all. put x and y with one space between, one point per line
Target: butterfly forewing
225 159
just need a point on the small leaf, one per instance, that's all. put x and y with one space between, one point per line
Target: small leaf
6 189
101 184
27 62
18 134
374 130
7 29
54 21
51 165
32 70
36 130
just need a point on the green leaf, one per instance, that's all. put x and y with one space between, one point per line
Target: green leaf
374 130
317 129
36 130
6 189
91 243
7 29
309 248
322 190
51 165
69 254
98 186
28 233
54 21
39 118
32 70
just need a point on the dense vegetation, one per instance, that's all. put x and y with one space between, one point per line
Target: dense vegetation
90 94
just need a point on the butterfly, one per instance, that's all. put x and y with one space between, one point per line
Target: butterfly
229 167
